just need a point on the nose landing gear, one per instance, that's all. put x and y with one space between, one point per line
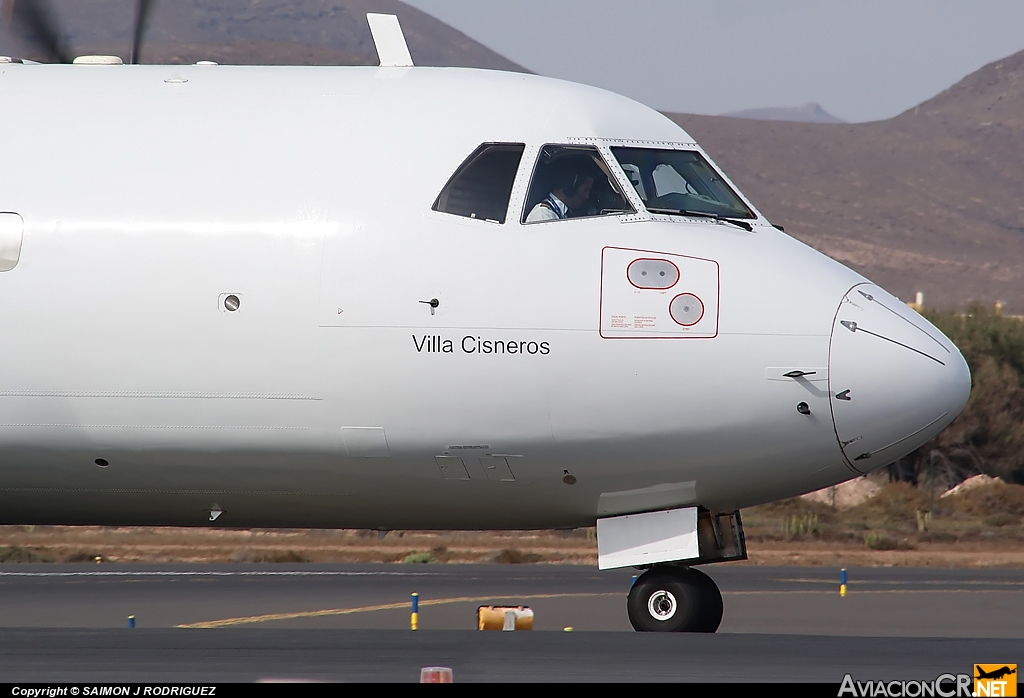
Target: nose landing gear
668 598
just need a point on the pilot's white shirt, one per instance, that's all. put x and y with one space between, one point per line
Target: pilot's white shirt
550 209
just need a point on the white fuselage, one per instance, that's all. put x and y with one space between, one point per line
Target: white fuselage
330 397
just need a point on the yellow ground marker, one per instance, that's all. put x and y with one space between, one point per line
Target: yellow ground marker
247 620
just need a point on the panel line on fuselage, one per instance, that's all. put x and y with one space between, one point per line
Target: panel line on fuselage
151 394
151 426
143 490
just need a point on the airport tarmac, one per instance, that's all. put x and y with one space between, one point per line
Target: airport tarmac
350 622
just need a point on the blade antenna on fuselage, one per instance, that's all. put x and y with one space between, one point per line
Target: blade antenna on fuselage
388 38
142 9
32 20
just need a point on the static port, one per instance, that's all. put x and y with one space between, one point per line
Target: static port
231 303
102 462
803 408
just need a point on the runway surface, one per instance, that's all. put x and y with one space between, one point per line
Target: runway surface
347 622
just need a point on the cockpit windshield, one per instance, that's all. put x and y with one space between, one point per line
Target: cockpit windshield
679 181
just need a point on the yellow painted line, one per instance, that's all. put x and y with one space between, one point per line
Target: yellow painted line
245 620
907 582
248 620
864 592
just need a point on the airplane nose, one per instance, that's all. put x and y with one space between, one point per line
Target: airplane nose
895 380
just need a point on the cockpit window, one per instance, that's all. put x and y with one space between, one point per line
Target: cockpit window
482 185
679 181
572 182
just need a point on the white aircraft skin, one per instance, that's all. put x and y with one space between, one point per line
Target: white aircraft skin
150 193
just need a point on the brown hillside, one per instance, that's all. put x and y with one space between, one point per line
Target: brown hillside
932 200
251 52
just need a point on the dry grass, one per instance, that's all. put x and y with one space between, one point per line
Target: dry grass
167 545
979 528
900 525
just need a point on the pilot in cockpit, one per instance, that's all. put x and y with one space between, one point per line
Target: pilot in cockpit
573 178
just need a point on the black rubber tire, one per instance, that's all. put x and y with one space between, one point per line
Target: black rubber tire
711 603
673 589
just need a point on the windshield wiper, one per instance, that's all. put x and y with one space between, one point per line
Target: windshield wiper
702 214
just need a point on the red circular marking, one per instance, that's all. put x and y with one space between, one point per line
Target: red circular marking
680 322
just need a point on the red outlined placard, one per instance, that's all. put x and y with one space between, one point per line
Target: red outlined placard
632 311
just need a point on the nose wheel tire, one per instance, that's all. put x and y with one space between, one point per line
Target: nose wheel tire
674 599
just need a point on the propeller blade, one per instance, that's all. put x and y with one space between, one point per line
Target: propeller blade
32 21
142 9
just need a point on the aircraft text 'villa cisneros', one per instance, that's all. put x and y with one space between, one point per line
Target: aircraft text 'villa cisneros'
471 344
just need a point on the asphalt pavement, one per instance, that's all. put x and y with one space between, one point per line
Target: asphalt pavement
351 623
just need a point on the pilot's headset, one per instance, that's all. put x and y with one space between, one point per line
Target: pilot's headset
572 171
571 180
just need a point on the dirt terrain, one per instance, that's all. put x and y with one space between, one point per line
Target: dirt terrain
978 528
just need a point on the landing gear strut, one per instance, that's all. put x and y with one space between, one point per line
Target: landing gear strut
669 598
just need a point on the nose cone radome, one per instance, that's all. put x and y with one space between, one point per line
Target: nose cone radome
895 380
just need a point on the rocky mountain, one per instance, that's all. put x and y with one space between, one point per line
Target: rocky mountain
931 200
812 112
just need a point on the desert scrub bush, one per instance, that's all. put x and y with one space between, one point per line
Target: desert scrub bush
757 535
794 506
895 502
980 331
937 537
419 559
16 553
988 500
989 432
1001 519
800 525
878 541
250 555
511 556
